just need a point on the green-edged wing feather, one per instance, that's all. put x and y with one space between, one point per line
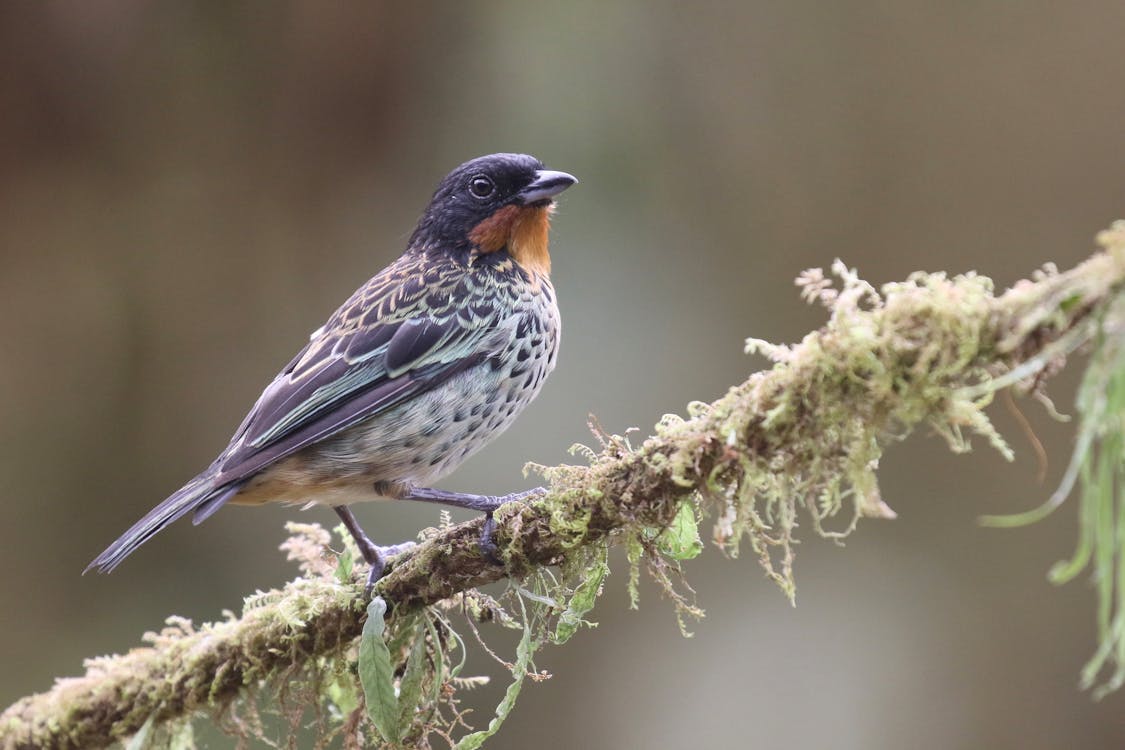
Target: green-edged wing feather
409 329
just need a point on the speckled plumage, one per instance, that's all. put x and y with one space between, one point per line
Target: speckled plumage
503 333
421 367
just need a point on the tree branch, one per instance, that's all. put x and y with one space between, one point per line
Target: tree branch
806 432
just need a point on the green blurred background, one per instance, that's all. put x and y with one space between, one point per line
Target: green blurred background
187 190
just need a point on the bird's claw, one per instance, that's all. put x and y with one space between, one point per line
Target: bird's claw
374 573
486 543
378 563
394 550
526 495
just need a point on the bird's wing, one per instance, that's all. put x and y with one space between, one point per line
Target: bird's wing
405 332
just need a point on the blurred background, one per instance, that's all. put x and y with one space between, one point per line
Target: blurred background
187 190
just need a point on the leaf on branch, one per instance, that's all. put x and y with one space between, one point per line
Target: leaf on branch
680 540
524 651
585 594
376 673
410 688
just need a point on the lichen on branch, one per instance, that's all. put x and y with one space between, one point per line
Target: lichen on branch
802 438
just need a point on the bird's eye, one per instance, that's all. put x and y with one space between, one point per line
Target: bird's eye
481 186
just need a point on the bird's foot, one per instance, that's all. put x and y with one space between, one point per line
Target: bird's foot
486 542
377 558
374 555
487 504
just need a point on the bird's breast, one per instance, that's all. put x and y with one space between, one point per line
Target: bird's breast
425 438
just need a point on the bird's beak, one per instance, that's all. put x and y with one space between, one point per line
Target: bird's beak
546 185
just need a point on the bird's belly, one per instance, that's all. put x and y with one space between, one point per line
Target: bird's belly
413 444
285 483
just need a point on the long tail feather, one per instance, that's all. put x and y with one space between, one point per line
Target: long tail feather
200 493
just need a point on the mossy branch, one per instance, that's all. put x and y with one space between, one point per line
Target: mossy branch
805 434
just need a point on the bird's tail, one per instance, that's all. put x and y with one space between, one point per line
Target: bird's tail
200 495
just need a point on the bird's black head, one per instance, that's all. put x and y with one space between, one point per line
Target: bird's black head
480 204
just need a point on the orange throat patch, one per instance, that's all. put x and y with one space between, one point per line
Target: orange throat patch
523 230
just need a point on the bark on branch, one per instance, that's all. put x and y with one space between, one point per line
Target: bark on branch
923 350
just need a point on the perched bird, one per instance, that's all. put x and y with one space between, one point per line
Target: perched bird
425 364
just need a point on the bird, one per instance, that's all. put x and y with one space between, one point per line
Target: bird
420 368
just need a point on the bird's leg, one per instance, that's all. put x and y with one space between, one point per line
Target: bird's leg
484 503
375 556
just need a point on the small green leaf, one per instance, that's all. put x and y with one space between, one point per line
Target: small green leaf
524 652
680 540
1068 303
345 564
410 687
439 661
581 602
376 673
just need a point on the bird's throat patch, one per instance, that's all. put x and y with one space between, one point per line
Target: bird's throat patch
523 230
